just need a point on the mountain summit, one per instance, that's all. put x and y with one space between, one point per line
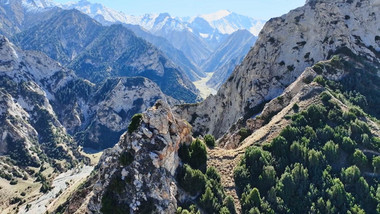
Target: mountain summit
216 16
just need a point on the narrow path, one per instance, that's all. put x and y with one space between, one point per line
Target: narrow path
225 161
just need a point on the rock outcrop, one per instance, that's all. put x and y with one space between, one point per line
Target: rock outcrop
286 46
137 175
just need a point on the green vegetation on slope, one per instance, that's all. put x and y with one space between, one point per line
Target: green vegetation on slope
322 163
201 182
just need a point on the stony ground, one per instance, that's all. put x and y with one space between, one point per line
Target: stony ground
63 182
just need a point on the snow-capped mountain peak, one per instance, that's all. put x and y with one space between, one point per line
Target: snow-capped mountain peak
97 11
223 21
37 4
227 22
216 16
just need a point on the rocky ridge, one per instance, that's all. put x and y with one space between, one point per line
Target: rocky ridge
29 80
138 174
303 93
286 46
269 80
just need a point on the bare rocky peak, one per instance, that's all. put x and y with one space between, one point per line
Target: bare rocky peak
286 46
147 178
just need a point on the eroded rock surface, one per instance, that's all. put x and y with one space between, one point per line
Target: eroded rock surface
286 46
138 173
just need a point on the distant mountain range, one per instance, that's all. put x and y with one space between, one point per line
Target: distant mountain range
191 43
96 52
224 21
198 38
228 55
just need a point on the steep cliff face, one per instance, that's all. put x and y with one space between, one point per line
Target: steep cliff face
137 175
286 46
46 112
31 128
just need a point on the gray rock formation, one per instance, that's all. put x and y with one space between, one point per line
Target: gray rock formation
137 175
286 46
108 111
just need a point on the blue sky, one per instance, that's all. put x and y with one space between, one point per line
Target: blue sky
260 9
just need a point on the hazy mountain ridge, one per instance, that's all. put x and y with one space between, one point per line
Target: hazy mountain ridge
96 52
18 15
225 22
228 55
176 55
196 37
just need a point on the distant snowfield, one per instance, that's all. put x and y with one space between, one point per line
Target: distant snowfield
205 91
59 185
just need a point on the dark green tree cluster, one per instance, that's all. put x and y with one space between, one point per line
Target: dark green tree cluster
46 185
207 190
360 86
318 164
74 90
244 133
209 140
50 138
135 123
195 155
202 182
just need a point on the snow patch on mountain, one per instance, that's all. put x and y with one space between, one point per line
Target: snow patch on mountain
216 16
228 23
97 11
33 5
